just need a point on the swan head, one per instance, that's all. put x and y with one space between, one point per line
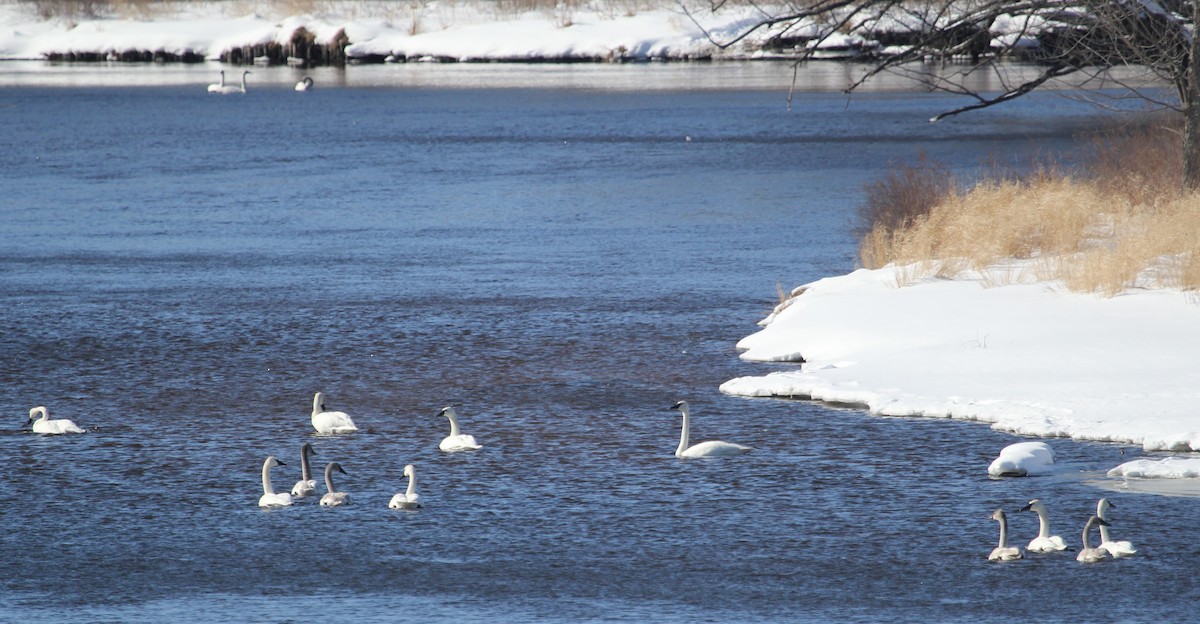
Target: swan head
1096 520
308 449
272 461
448 412
318 402
1103 505
998 515
41 409
408 471
680 405
332 467
1035 506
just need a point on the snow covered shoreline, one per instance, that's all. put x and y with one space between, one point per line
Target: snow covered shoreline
1026 356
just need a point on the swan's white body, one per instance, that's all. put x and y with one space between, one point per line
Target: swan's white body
269 497
218 87
224 88
330 422
1121 548
1088 554
332 497
1002 551
305 85
1044 542
408 499
456 441
51 427
307 485
1023 459
710 448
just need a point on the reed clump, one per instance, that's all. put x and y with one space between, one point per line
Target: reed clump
1120 220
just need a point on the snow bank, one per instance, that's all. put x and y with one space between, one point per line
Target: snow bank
1029 358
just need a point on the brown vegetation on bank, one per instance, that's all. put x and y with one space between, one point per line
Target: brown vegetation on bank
1121 220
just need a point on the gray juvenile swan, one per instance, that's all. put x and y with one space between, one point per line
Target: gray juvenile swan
1002 551
408 499
269 497
332 497
1091 555
1044 542
1121 548
307 485
51 427
326 421
710 448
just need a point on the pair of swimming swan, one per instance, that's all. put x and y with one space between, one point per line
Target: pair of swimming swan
43 424
326 421
221 87
1044 542
271 498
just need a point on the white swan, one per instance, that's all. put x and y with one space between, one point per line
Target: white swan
456 441
332 497
1044 542
1091 555
269 497
1003 552
710 448
218 87
1023 459
305 85
329 422
1123 548
408 499
306 485
52 427
224 88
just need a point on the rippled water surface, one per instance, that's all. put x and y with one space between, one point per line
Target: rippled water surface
182 271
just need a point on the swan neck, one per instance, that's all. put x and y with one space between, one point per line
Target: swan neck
1043 524
266 479
304 470
329 480
412 486
1087 529
453 424
684 432
1003 532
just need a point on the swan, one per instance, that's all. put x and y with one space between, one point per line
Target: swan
1122 548
1004 552
710 448
408 499
1023 459
306 485
1044 542
456 441
1091 555
269 497
224 88
305 85
52 427
332 497
218 87
330 422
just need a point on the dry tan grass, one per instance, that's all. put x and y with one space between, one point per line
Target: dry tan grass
1124 223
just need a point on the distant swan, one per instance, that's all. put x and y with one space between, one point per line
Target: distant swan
1023 459
224 88
711 448
269 497
305 85
1003 552
52 427
1122 548
1091 555
408 499
332 497
329 422
218 87
456 441
1044 542
306 485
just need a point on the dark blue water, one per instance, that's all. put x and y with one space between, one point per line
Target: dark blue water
182 271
